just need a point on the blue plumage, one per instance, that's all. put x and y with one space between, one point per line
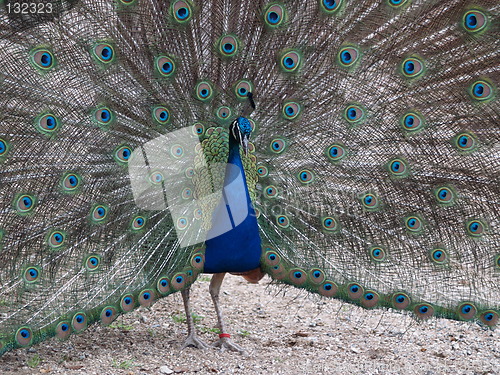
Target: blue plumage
133 157
238 249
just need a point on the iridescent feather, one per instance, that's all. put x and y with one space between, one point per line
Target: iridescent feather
372 172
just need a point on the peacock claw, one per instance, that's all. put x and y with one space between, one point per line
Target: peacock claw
226 343
194 341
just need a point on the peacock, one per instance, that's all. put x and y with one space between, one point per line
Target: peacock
348 148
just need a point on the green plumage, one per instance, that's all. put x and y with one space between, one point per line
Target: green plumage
373 169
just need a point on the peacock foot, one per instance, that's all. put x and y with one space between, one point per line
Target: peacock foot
193 340
225 343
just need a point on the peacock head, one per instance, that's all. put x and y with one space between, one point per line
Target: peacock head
241 128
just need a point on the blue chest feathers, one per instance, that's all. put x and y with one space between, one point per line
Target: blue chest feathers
234 241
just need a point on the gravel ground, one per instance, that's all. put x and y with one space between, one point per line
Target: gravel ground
284 331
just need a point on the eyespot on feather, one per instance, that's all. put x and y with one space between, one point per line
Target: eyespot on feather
147 297
467 311
127 303
63 330
316 275
297 276
489 318
291 61
271 258
328 289
370 299
423 311
198 261
24 336
43 59
178 282
108 315
330 7
182 11
79 322
474 21
401 301
275 15
104 52
163 285
355 291
204 91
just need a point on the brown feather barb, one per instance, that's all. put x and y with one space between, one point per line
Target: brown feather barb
373 164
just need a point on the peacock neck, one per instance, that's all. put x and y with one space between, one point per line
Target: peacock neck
234 157
237 249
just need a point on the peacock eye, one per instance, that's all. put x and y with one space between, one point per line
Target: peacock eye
465 142
369 201
56 239
412 122
412 67
474 21
423 311
3 147
122 154
481 91
355 291
283 221
161 114
138 222
92 262
42 59
414 224
277 145
182 223
377 253
99 213
291 110
156 178
439 255
25 203
330 6
444 195
401 301
348 56
198 129
262 171
228 46
223 113
476 228
24 336
103 52
165 66
103 116
31 274
398 168
182 11
177 151
274 15
354 114
271 191
330 224
397 3
47 124
305 176
335 152
290 61
242 88
204 91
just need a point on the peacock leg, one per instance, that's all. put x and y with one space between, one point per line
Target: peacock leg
192 339
224 338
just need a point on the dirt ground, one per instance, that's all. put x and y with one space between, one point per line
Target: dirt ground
284 332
